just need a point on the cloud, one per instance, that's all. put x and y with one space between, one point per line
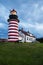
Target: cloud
36 28
3 26
3 12
3 19
32 17
33 11
3 30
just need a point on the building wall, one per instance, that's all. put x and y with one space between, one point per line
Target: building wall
30 39
22 36
26 38
33 39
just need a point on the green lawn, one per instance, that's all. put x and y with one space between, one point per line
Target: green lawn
21 53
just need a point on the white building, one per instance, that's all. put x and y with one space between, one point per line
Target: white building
26 36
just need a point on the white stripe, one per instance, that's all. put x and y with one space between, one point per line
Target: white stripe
12 30
13 27
13 22
12 33
13 37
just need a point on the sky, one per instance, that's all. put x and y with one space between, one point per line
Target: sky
30 14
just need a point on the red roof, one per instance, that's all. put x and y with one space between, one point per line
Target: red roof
27 33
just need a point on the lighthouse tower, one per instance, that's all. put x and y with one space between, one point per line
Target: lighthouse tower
13 26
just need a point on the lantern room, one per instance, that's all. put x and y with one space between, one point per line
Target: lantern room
13 12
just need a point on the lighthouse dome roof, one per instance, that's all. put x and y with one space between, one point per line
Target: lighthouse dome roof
13 12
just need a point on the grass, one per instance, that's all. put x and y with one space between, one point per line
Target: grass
21 53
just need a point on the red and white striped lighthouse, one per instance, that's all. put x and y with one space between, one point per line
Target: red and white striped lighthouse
13 27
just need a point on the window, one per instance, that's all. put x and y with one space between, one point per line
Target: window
27 38
30 39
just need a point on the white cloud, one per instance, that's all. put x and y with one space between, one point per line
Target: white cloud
3 12
35 11
39 26
36 5
34 27
3 26
4 15
32 17
42 8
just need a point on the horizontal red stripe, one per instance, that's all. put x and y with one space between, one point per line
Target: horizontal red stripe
13 26
13 35
14 20
13 38
13 23
12 29
12 32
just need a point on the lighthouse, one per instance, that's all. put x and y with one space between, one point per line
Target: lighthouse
13 35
